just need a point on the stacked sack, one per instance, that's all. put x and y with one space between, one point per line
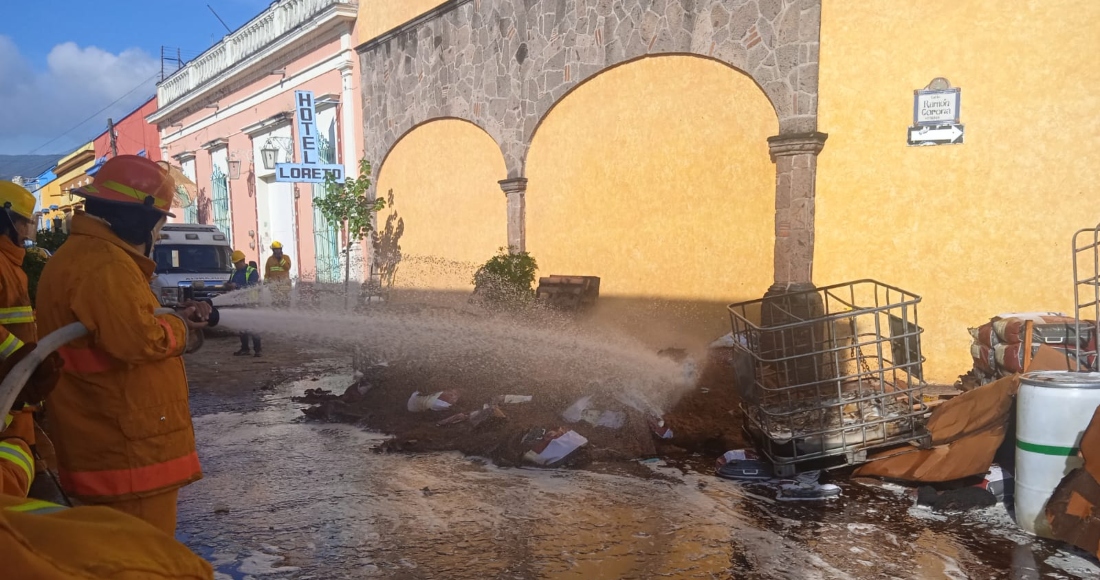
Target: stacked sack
998 346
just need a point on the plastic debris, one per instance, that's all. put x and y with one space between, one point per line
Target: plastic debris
657 425
799 491
998 482
743 465
555 446
440 401
513 399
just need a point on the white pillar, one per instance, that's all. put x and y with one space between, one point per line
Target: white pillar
348 102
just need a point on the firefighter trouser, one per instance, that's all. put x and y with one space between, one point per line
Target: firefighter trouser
158 510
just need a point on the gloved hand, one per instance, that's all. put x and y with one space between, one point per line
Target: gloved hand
41 382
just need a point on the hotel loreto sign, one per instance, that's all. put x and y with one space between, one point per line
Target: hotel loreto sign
310 169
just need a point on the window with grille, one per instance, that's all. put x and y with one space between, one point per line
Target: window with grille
326 235
220 201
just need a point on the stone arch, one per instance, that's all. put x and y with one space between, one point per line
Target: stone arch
528 138
444 178
502 64
388 147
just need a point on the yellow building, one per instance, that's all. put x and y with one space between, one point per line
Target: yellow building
57 201
693 160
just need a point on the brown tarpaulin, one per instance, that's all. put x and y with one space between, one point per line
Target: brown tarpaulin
966 432
1074 509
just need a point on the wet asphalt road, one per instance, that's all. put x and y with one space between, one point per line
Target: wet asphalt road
284 498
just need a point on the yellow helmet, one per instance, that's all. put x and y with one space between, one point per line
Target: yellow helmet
276 246
17 199
238 256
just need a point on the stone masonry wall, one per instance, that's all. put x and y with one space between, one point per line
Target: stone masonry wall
504 64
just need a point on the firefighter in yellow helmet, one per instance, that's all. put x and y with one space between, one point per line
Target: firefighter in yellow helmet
119 417
277 274
18 336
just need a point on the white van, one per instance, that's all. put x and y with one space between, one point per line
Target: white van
193 261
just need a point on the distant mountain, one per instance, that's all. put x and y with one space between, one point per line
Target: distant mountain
26 165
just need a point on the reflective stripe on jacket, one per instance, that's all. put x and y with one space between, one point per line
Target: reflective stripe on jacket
245 278
120 419
16 314
277 269
40 540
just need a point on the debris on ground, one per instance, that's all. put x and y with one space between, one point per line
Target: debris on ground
955 500
513 399
555 446
440 401
743 465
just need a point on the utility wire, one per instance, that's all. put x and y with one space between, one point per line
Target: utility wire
94 115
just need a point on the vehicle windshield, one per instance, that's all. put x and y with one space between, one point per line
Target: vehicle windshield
192 259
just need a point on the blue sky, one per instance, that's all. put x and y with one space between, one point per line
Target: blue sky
63 61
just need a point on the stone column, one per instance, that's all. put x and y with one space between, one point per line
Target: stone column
791 298
795 158
515 190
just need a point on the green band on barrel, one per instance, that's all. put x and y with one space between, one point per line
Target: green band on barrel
1048 449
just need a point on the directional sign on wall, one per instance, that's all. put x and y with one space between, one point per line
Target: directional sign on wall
950 134
936 116
309 170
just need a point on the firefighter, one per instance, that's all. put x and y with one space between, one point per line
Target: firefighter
17 339
120 419
40 540
277 273
245 276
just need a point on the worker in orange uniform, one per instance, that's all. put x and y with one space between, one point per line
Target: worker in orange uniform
18 336
44 541
120 419
277 274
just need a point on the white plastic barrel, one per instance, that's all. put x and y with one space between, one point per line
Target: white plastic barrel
1053 409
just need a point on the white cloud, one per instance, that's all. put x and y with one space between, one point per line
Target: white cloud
38 105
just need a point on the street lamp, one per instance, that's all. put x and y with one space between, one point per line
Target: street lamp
268 153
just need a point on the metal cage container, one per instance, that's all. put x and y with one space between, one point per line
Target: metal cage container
837 371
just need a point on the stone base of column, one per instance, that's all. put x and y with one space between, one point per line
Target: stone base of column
794 349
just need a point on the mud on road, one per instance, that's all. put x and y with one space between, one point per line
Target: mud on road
284 497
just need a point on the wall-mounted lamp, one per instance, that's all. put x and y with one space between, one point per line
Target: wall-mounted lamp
215 106
234 169
268 153
180 125
280 71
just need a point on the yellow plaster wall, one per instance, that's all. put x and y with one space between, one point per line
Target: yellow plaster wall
444 178
976 229
655 176
379 16
51 193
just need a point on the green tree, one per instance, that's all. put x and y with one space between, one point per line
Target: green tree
34 262
505 280
351 205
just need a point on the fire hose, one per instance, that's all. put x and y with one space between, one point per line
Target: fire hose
14 382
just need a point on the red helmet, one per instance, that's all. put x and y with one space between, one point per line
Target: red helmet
133 179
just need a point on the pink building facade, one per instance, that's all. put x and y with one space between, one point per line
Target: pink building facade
217 114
